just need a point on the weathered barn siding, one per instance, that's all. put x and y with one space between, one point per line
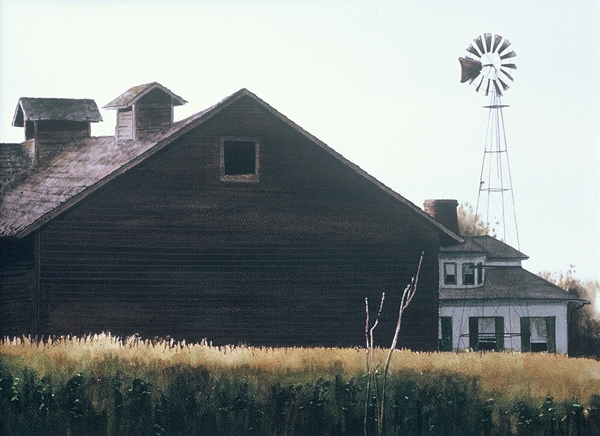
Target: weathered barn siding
18 301
124 128
51 136
168 247
153 112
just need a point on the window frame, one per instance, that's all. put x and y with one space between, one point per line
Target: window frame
486 341
240 178
464 274
455 282
446 337
526 344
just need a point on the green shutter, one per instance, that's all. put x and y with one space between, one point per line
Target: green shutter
474 333
499 333
446 333
525 334
551 332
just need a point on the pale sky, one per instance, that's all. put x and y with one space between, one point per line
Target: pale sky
378 81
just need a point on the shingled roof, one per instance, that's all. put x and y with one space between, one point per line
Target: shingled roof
510 283
88 164
132 95
486 244
55 109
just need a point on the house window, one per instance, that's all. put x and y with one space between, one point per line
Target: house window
538 334
239 160
449 273
446 333
486 333
468 274
479 273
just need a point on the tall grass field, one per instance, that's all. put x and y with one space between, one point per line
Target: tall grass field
102 385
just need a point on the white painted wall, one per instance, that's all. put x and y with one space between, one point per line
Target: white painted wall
512 313
459 260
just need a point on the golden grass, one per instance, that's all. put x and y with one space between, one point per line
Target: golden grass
510 375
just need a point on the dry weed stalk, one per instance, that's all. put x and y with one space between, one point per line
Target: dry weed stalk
372 368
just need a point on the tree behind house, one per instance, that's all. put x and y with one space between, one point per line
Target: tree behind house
471 224
584 331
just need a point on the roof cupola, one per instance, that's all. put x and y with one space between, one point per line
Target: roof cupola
53 122
143 110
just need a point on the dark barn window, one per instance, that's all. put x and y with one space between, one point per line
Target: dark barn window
239 157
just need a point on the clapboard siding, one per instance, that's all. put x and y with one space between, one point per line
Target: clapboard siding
168 249
152 117
51 136
296 294
124 128
153 112
17 286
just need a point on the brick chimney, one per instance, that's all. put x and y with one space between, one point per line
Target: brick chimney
443 211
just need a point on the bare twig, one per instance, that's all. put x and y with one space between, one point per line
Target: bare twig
407 296
373 384
371 375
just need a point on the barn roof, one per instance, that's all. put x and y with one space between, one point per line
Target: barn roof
132 95
55 109
86 165
510 283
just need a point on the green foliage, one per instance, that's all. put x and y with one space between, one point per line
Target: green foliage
584 334
471 224
184 400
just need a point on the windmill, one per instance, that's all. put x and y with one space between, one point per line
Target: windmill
489 322
487 300
488 65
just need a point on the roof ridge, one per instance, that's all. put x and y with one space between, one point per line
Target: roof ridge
155 142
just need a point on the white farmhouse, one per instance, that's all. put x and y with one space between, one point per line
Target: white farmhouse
487 301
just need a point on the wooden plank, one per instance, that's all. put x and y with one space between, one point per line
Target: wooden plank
167 249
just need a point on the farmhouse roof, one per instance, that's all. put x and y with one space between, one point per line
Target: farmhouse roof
86 165
55 109
132 95
486 244
510 283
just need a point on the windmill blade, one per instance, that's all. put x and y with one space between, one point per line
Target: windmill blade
513 66
479 43
497 40
487 88
479 86
504 46
488 41
504 85
473 50
507 75
512 54
498 92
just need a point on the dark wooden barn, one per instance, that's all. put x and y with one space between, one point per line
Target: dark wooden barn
234 225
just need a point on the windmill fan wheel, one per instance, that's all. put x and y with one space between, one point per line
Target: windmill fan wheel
488 63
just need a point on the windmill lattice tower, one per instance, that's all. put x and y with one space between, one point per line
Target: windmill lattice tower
489 66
